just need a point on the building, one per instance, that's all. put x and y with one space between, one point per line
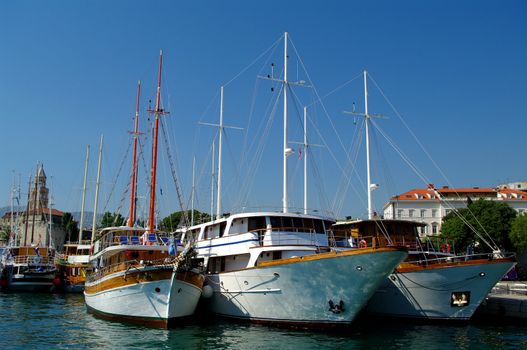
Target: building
38 224
429 205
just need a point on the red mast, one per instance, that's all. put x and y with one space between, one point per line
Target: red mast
131 219
158 111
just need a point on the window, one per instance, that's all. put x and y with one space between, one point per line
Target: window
434 228
434 213
399 213
423 213
411 213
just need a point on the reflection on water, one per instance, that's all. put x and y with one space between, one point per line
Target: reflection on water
44 321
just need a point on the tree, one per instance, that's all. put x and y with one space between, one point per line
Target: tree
489 218
172 222
70 226
518 234
112 219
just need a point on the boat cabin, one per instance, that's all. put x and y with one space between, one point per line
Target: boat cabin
245 240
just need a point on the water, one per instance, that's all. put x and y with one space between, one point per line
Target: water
54 321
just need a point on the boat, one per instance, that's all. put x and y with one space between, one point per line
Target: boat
429 284
28 269
29 266
72 266
138 274
279 268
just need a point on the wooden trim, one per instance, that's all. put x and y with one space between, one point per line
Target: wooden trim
129 278
144 276
415 267
329 255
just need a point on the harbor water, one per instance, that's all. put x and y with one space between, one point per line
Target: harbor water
57 321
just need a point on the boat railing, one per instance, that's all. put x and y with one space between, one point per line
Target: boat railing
128 266
289 236
124 238
33 260
455 259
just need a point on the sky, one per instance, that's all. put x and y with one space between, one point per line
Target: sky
452 73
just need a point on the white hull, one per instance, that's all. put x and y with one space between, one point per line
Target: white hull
300 292
155 302
428 293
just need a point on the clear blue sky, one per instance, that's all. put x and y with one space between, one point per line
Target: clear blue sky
455 70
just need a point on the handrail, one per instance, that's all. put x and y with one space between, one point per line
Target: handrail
128 265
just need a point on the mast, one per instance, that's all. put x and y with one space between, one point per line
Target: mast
133 199
27 209
81 224
12 227
193 191
305 160
367 121
212 185
158 111
34 208
287 151
97 183
50 204
218 203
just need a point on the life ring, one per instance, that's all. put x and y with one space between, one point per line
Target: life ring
363 243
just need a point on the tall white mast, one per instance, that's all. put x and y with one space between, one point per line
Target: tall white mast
213 184
97 183
287 150
221 127
367 116
193 191
218 203
367 121
81 224
305 160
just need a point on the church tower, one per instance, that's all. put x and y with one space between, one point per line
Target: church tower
39 193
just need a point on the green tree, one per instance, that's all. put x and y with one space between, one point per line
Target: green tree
173 221
70 226
518 234
486 217
112 219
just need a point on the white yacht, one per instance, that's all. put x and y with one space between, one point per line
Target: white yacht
278 268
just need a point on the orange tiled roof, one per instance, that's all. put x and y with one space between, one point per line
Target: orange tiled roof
432 193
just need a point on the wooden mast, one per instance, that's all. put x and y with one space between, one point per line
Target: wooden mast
131 219
158 111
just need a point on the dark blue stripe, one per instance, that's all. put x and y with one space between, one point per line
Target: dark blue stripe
219 245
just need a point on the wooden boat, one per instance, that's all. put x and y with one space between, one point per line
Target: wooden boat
137 274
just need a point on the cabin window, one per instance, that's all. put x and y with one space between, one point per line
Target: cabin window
222 228
277 254
319 226
257 223
276 222
308 225
298 224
